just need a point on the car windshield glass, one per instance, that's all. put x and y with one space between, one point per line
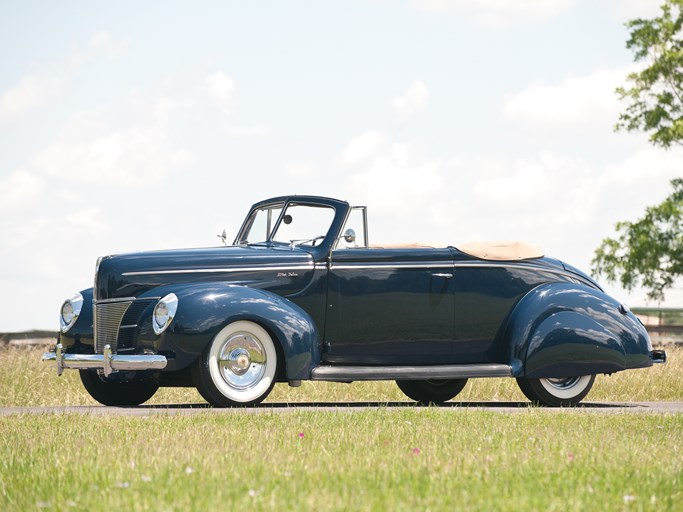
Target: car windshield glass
261 224
304 224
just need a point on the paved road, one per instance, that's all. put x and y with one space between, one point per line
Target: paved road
505 407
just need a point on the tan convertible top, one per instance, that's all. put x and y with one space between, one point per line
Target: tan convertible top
501 251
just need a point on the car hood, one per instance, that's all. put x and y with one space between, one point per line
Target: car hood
282 270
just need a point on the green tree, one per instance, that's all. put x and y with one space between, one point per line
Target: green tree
649 252
655 97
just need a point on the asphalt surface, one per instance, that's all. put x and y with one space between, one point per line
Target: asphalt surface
269 408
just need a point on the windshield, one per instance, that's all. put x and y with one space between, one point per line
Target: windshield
261 224
300 224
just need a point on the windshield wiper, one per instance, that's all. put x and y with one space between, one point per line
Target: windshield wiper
294 243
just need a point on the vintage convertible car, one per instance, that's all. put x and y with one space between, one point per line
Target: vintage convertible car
301 295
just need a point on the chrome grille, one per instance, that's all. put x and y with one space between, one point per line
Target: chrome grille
108 316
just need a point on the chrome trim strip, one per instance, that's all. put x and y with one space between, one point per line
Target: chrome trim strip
218 270
392 266
456 265
107 361
119 299
352 266
520 266
351 373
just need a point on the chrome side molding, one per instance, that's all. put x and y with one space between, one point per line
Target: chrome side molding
107 362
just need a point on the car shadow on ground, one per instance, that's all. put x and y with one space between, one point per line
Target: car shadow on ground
373 405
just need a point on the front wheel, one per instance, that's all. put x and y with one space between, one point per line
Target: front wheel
238 367
556 392
431 391
119 394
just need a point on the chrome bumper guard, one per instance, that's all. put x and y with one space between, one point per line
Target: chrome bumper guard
658 356
107 362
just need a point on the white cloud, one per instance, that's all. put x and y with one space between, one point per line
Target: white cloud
523 180
252 130
20 188
624 10
411 102
121 145
100 45
300 170
394 179
40 88
220 88
365 145
499 12
30 93
583 100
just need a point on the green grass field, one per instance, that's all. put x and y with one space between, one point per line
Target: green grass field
377 459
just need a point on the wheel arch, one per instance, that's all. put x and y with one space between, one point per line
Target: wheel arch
568 329
205 309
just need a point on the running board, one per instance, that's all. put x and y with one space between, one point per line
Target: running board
352 373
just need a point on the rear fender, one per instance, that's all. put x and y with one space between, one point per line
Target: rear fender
567 329
205 308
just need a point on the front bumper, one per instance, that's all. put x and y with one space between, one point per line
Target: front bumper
107 362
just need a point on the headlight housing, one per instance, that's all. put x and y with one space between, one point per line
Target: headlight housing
70 311
164 312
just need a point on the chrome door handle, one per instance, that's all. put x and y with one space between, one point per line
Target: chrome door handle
447 276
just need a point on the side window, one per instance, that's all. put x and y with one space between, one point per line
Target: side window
357 223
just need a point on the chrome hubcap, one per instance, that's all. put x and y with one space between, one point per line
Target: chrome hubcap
242 361
563 383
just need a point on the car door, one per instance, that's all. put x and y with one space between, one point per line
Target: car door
390 307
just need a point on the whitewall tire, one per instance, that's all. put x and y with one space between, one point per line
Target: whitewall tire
557 392
238 367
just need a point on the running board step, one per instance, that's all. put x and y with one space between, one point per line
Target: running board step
351 373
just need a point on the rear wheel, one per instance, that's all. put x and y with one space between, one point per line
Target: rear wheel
431 391
119 394
238 367
557 392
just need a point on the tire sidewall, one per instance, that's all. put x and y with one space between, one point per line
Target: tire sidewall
580 386
118 394
541 392
431 391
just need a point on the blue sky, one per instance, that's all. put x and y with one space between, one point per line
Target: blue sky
148 125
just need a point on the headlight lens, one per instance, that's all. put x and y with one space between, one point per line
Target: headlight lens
164 312
70 311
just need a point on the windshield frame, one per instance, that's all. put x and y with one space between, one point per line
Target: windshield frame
251 218
340 210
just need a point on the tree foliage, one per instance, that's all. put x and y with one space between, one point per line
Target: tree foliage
648 251
655 95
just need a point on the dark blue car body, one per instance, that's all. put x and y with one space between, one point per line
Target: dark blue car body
427 317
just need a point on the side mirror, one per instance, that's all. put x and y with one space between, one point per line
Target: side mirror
349 236
223 236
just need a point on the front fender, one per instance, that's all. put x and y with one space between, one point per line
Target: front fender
567 329
79 339
205 308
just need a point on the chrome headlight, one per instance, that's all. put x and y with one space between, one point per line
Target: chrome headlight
70 311
164 312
